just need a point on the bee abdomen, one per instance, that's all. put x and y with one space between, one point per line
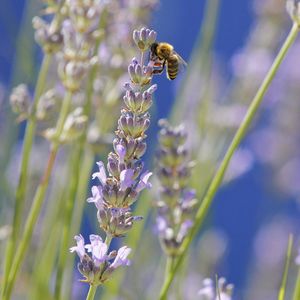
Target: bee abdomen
172 65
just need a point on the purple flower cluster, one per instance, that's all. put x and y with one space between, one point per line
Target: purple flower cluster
100 262
119 189
176 202
80 33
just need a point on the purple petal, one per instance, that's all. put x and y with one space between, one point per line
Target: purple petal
121 151
161 224
126 179
152 89
121 258
152 36
185 226
143 183
98 249
188 195
127 86
101 175
118 212
80 249
97 197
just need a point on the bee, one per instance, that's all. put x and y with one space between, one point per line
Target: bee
163 54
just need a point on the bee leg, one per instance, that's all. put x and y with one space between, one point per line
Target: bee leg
157 71
160 70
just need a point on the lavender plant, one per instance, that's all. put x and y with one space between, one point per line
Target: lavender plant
219 175
118 191
176 202
74 61
50 44
102 91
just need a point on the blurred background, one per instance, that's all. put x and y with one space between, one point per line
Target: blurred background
229 46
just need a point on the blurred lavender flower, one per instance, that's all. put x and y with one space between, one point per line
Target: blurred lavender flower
176 201
48 36
209 292
293 8
84 14
48 105
119 189
76 57
20 101
74 125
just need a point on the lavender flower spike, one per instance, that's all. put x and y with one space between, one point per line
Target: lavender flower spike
125 178
176 202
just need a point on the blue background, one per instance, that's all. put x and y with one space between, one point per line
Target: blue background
240 207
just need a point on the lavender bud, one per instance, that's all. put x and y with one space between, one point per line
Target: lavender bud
293 8
140 150
176 201
47 105
50 40
112 165
138 75
144 38
20 100
74 125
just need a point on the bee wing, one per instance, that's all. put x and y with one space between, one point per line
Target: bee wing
182 63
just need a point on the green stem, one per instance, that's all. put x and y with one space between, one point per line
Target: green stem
93 288
74 183
92 292
296 295
282 289
37 202
21 188
86 165
218 178
108 240
169 267
67 219
63 115
29 226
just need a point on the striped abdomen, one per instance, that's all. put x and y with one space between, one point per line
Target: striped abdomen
172 66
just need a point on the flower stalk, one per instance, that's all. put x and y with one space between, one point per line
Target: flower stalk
217 179
22 183
120 189
37 203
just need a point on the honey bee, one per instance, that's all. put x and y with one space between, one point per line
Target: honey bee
163 54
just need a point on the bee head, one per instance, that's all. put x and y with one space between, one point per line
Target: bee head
153 48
